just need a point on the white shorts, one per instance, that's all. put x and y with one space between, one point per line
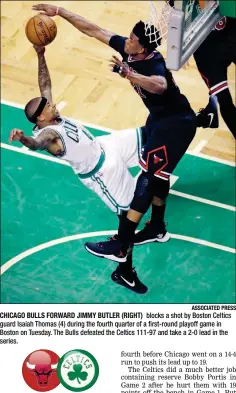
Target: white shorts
113 182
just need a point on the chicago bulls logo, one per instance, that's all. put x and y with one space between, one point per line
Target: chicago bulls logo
221 24
155 160
39 370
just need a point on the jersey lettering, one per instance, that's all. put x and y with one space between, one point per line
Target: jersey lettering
79 148
71 131
72 135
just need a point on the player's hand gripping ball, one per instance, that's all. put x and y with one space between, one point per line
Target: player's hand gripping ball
41 30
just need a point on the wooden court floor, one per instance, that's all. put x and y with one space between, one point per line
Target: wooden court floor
82 82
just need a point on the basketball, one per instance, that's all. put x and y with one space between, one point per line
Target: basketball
41 30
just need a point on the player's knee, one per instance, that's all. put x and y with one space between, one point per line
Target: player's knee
161 188
143 193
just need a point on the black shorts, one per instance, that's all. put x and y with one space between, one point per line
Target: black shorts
213 57
167 141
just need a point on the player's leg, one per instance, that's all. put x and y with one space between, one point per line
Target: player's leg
121 185
113 182
115 186
96 186
140 204
219 93
205 57
127 143
227 109
126 275
213 69
130 149
143 194
155 229
177 134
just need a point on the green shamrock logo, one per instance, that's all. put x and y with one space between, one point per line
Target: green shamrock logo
78 370
77 373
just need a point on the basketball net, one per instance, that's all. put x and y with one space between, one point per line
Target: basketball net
159 17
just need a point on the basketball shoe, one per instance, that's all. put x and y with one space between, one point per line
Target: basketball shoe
111 249
151 233
208 117
129 280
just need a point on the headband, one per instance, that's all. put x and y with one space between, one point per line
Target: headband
33 118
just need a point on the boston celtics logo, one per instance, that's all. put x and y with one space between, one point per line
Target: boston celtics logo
78 370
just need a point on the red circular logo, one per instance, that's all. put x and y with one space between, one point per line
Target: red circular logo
221 24
39 370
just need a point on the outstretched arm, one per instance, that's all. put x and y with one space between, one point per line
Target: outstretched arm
44 80
39 143
80 23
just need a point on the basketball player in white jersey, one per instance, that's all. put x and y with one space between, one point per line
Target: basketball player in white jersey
100 163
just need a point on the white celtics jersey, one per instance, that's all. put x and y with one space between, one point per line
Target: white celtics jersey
82 150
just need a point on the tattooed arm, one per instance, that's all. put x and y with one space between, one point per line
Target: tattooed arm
41 142
44 80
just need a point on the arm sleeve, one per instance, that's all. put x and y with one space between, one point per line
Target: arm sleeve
118 43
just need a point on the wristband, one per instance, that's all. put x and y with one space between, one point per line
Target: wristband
57 10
